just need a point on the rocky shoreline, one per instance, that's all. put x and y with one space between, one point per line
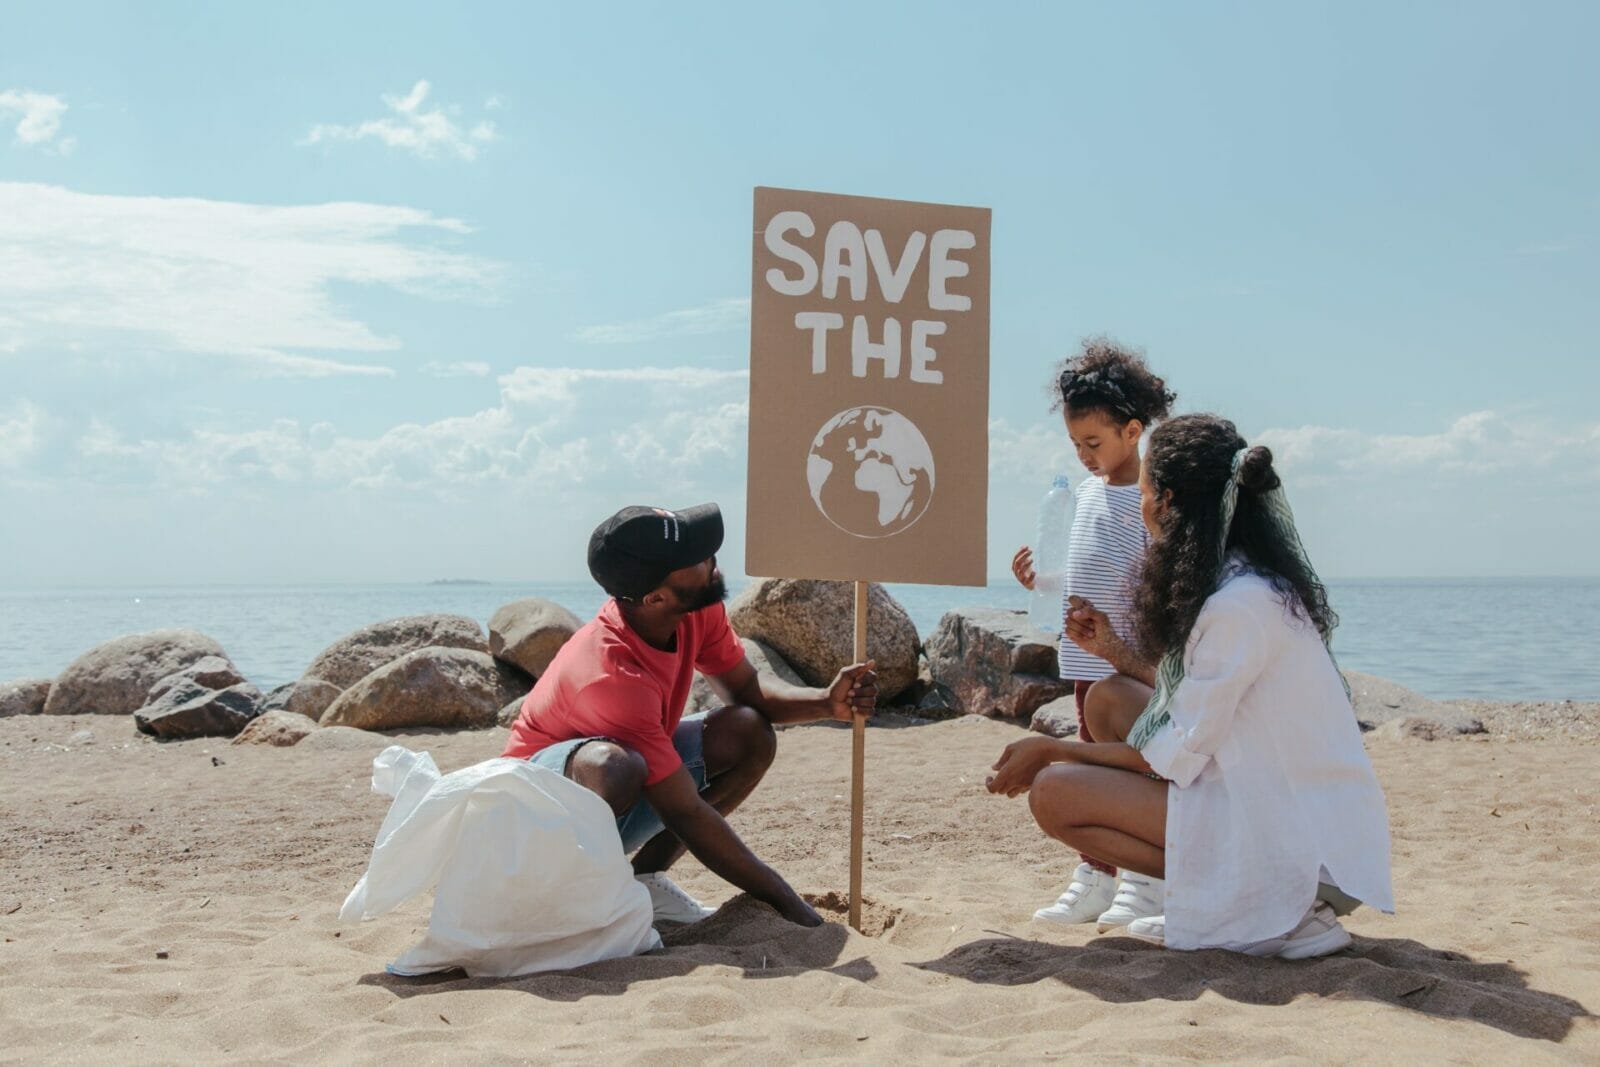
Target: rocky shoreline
440 671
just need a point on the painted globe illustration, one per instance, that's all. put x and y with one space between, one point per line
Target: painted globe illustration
870 471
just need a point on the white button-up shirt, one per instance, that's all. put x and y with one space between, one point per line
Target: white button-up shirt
1272 791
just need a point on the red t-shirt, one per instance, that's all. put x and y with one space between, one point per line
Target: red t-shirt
607 682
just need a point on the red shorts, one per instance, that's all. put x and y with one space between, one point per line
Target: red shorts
1079 691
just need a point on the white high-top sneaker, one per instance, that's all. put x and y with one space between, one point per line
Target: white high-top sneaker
1319 934
670 903
1138 897
1088 894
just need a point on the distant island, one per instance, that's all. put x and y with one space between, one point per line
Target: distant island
458 581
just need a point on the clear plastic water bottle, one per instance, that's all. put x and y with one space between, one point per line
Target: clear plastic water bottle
1050 555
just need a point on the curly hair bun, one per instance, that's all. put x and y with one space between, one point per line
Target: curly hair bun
1255 470
1108 377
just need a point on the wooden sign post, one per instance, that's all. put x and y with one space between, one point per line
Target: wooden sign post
869 404
858 768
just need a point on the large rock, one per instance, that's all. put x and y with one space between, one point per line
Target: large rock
188 709
993 663
452 688
1422 728
1378 701
277 728
939 702
920 687
207 672
507 715
702 697
358 654
766 660
207 698
811 625
343 739
1059 718
306 696
528 633
25 696
116 678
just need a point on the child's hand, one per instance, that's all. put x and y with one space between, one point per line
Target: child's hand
1088 627
1022 566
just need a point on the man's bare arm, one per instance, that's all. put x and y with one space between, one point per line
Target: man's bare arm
853 691
704 832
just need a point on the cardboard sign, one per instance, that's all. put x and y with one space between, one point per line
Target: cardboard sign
869 390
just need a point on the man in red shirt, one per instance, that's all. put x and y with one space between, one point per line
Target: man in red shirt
608 713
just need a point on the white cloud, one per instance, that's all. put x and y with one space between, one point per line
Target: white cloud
19 434
554 429
551 448
413 129
715 317
1491 492
38 119
471 368
648 426
1042 450
555 388
210 277
1479 443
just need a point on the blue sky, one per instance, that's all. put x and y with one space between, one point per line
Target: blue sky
384 292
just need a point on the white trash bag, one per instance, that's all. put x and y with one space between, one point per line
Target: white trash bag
527 869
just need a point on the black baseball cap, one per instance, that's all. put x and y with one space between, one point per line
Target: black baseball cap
634 550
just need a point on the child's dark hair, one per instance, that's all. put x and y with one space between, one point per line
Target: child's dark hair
1105 376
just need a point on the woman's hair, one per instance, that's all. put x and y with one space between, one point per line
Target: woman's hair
1191 457
1104 376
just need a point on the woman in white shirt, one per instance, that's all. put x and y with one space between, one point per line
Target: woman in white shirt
1237 773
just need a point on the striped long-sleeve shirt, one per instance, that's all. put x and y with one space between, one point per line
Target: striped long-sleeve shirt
1103 560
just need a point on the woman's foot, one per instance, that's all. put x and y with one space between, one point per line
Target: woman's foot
1088 894
1319 934
1138 896
1152 928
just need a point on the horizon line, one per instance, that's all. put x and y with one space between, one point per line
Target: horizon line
467 583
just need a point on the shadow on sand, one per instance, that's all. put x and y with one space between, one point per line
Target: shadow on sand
1400 972
743 933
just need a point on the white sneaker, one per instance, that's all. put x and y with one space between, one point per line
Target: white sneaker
670 903
1138 897
1151 928
1088 894
1318 934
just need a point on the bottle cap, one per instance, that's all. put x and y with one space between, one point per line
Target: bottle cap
1061 482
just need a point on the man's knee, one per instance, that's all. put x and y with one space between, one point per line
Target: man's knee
739 736
614 773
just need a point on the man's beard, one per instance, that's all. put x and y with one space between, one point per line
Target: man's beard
714 591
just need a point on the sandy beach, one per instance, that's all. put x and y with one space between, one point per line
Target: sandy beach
177 902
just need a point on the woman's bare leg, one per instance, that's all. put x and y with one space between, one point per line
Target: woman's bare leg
1115 814
1112 704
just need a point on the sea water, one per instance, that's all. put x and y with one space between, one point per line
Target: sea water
1498 639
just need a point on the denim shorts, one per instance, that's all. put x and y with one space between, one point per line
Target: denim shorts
639 823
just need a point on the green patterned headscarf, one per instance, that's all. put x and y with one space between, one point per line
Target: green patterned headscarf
1169 673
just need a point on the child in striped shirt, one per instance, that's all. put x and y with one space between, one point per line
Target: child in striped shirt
1108 399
